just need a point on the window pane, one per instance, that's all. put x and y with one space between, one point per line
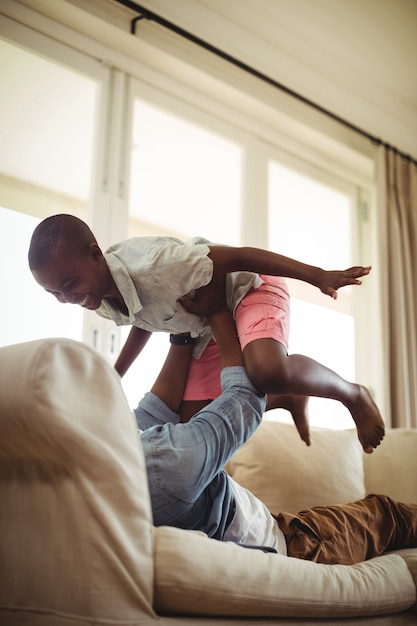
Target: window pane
308 220
47 122
185 181
142 374
28 312
184 178
328 337
312 222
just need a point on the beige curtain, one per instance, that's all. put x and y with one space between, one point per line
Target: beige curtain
397 238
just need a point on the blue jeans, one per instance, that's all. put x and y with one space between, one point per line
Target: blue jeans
184 462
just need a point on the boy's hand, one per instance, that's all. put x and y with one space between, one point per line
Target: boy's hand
330 281
207 299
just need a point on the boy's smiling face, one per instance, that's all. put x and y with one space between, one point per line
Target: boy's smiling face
76 279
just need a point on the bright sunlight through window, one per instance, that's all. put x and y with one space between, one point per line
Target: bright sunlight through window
312 222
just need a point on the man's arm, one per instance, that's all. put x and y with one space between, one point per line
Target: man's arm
133 346
208 301
229 259
224 331
172 379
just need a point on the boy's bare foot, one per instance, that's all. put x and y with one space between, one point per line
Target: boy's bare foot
298 407
368 419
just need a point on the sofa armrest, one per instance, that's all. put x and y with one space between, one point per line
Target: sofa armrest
76 526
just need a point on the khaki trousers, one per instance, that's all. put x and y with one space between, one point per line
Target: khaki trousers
350 533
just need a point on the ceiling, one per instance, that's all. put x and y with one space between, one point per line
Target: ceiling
377 39
356 58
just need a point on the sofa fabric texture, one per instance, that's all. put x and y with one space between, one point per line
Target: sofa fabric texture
272 585
77 542
75 521
289 476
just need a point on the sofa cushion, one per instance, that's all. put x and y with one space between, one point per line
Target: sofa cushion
197 575
289 476
75 523
410 557
392 469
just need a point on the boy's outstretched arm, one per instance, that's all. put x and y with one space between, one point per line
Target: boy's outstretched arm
228 259
133 346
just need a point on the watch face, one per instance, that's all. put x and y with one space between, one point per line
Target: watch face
182 340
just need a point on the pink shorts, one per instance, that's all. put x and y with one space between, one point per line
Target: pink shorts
264 313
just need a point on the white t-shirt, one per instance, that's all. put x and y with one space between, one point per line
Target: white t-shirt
152 273
252 523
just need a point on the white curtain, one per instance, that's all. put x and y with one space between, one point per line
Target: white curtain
397 238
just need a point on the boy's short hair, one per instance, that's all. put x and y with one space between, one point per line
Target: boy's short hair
62 231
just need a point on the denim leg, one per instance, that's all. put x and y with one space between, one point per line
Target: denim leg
185 461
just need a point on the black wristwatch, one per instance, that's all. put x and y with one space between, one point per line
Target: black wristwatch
182 340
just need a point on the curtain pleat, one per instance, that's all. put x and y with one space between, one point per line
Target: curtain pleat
397 217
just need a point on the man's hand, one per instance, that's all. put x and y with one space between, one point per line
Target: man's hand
207 299
330 281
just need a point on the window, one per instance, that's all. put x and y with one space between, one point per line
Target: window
134 151
314 221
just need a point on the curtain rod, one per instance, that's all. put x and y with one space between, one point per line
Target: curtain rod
145 13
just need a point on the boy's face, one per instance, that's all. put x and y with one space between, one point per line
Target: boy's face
77 279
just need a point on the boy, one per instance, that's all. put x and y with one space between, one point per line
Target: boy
141 282
189 488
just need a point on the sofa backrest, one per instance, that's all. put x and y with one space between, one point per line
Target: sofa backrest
289 476
392 469
75 521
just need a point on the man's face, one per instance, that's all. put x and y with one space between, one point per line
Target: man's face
76 279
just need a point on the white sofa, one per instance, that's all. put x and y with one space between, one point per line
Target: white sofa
77 544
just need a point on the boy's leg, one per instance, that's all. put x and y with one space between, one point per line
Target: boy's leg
350 533
262 321
265 312
203 382
203 386
298 407
271 369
